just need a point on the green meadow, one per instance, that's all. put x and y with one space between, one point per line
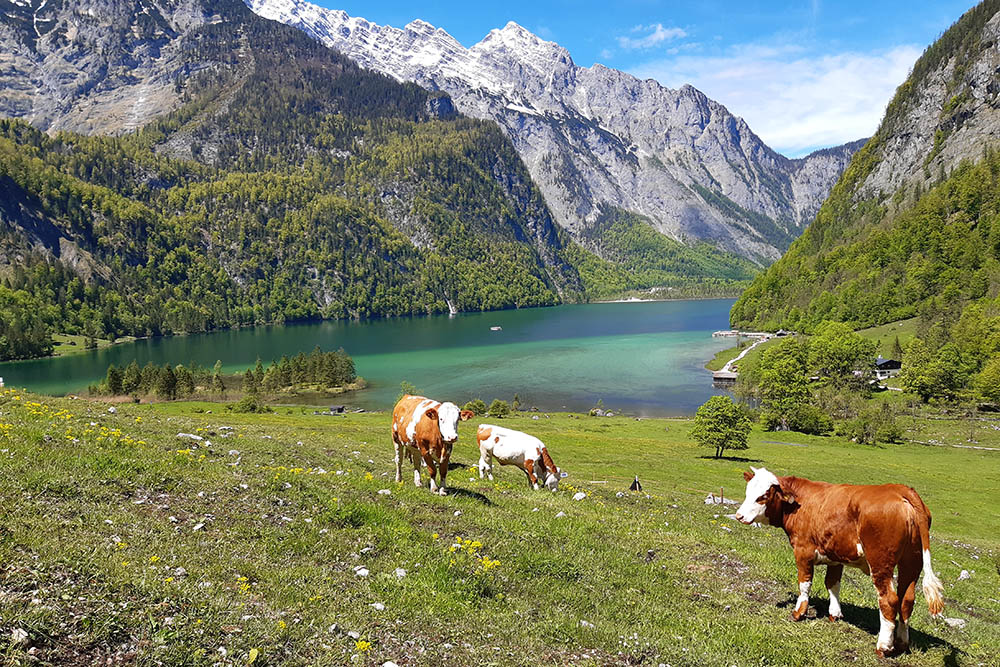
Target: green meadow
282 539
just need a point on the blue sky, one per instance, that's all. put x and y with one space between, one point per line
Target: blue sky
804 75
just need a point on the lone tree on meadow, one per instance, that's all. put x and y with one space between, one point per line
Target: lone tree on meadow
721 424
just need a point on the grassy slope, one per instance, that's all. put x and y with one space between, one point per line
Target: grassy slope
885 334
95 528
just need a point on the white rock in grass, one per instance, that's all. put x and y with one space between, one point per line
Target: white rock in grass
560 515
586 624
389 663
197 526
190 436
579 495
400 573
361 572
384 492
112 410
458 512
353 634
534 509
18 636
378 606
955 622
234 452
963 575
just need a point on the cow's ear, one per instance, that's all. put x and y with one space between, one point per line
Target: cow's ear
747 475
432 414
786 497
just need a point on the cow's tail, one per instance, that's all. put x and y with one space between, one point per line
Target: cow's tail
547 462
931 584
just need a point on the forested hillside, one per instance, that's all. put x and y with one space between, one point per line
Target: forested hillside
909 229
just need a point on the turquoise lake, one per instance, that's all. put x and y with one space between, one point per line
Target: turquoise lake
642 358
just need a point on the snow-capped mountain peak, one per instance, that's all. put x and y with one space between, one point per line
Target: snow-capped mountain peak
595 137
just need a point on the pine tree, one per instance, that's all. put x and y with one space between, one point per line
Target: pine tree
113 380
132 378
166 383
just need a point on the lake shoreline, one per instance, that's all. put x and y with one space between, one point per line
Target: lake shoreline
644 360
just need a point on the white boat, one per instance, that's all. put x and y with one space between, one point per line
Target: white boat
496 328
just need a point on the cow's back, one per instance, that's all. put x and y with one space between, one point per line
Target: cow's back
407 415
506 443
837 518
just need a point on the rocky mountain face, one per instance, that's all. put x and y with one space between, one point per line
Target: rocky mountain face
909 228
594 137
97 66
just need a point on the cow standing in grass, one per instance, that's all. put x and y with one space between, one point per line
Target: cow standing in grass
873 528
426 429
512 447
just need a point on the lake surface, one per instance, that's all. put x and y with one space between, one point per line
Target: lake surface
643 358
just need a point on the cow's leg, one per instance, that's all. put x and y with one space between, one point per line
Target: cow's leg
431 469
443 469
485 463
399 458
908 574
888 604
834 571
804 562
415 460
529 469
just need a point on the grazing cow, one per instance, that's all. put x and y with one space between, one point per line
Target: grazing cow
511 447
873 528
425 429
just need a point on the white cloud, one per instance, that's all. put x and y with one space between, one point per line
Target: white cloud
794 100
655 34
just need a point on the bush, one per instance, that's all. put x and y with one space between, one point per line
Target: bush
248 404
477 406
803 418
872 425
499 408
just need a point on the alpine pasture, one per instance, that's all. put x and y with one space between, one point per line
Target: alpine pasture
283 539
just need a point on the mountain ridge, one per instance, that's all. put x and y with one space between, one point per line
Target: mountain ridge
595 136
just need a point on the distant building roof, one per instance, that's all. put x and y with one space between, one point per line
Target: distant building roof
887 364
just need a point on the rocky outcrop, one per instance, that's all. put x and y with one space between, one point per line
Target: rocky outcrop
96 66
594 136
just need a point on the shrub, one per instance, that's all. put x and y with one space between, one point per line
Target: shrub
872 425
499 408
248 404
477 406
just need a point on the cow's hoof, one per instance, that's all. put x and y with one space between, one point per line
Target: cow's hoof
834 619
442 492
880 652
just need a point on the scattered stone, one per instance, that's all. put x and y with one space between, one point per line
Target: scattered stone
963 575
579 495
190 436
234 452
458 512
361 572
958 623
172 519
378 606
197 526
332 628
180 572
353 634
384 492
586 624
389 663
560 515
18 636
712 499
400 573
112 410
620 494
534 509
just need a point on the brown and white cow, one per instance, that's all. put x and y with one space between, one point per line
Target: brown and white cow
426 429
873 528
512 447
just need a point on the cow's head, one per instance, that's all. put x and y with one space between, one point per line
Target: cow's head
466 415
763 493
552 479
447 415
